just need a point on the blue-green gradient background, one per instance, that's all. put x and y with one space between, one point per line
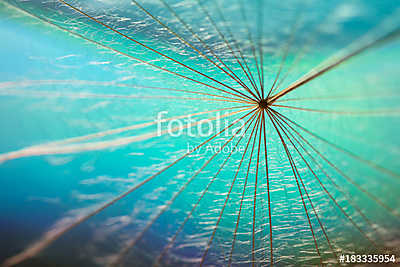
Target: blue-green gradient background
47 73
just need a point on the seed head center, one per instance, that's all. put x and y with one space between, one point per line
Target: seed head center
263 104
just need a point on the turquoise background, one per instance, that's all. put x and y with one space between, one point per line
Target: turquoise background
39 192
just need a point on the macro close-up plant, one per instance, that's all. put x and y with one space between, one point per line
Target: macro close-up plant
199 133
